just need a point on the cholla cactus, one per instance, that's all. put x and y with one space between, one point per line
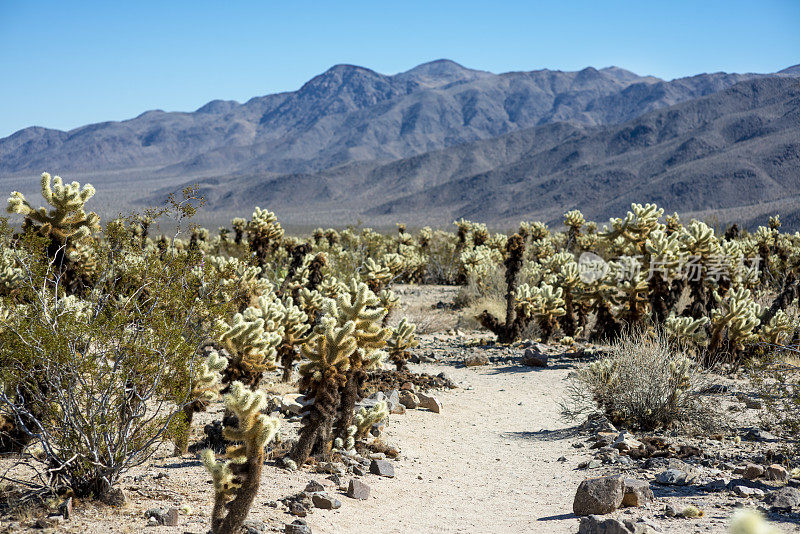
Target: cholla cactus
68 218
673 223
295 333
515 322
479 262
548 306
424 237
778 329
739 315
252 349
636 226
206 386
10 271
687 329
665 286
362 307
748 521
375 275
533 230
365 418
328 355
574 221
264 234
631 282
389 302
402 339
236 479
239 226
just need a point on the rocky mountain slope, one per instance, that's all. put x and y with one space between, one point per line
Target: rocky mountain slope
356 143
739 148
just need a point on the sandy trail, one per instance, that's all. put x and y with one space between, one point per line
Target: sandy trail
482 465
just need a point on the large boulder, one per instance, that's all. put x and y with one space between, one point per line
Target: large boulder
598 496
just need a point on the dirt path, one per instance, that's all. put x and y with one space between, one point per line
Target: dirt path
482 465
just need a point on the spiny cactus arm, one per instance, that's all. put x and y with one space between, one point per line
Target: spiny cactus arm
208 380
687 328
365 418
236 479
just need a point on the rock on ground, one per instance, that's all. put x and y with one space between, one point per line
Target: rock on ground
598 496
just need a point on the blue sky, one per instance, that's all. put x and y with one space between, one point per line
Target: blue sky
67 63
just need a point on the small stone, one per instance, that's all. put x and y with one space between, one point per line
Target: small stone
784 499
409 399
598 496
333 468
534 359
670 511
163 516
746 491
407 386
357 490
252 526
777 472
48 522
359 471
636 492
325 501
397 409
476 360
593 464
625 442
756 434
429 402
115 497
673 477
313 486
336 479
383 468
298 526
719 484
65 508
753 471
594 524
298 509
292 404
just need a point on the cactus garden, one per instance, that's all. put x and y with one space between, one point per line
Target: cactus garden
639 374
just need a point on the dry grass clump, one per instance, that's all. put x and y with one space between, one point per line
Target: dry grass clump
644 382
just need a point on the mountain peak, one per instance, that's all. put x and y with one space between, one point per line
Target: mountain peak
794 70
440 72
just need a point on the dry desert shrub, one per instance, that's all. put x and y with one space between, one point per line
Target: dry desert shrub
643 382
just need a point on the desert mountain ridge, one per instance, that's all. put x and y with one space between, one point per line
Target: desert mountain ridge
432 143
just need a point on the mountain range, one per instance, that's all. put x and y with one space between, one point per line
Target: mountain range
442 141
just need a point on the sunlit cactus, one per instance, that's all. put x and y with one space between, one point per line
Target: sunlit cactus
206 387
376 275
738 316
687 329
236 478
328 354
366 417
360 306
401 340
67 219
252 349
779 328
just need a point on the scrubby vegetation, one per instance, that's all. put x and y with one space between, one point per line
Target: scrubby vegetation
112 339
